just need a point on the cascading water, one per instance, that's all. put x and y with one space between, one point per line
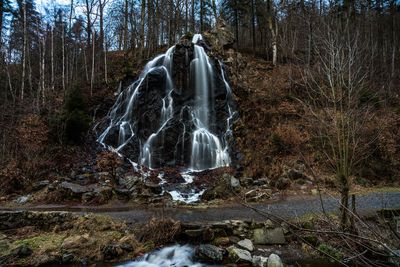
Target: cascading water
178 113
177 256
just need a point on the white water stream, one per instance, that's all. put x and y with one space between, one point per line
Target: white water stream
208 150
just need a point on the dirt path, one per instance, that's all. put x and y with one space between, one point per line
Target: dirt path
289 208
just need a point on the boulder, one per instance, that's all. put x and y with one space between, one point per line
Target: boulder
260 261
74 241
22 199
246 244
112 251
75 188
274 261
210 253
234 182
264 236
22 251
239 255
67 258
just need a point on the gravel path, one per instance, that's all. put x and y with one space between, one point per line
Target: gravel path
290 208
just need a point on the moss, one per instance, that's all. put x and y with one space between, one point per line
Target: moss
44 243
331 251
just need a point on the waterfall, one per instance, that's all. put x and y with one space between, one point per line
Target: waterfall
178 256
179 112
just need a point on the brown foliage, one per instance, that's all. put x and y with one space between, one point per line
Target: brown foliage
160 231
108 161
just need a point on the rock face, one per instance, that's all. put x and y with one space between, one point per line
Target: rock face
246 244
239 255
188 102
210 253
264 236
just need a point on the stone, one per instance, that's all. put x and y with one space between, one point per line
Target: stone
22 199
274 261
222 241
263 236
239 255
67 258
74 241
154 188
111 251
246 244
260 261
22 251
75 188
235 182
210 253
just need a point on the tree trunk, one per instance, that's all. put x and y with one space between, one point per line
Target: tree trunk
193 18
52 59
126 13
273 30
142 18
237 24
186 16
43 71
63 56
1 21
253 26
93 57
24 50
201 16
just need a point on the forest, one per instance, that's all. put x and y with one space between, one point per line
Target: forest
129 109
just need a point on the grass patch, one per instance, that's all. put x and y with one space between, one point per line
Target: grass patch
44 243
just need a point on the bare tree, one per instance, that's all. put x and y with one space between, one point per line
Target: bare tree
337 116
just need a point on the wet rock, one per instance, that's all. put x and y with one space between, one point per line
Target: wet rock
129 181
274 261
239 255
246 244
260 261
210 253
264 236
75 188
111 251
154 188
22 199
67 258
22 251
74 241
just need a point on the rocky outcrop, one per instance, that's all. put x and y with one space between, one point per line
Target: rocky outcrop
41 220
